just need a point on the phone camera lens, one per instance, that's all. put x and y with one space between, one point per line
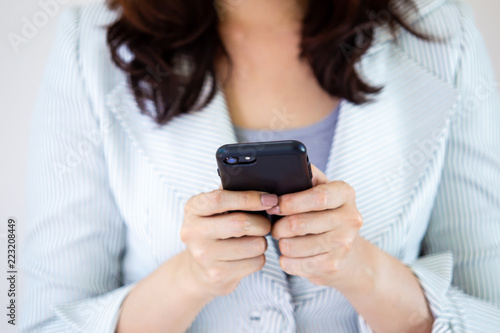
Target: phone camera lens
232 160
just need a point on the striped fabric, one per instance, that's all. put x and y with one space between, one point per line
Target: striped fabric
107 186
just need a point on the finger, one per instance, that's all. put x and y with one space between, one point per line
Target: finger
303 246
236 224
219 201
308 223
321 197
236 269
318 176
245 267
311 266
311 245
239 248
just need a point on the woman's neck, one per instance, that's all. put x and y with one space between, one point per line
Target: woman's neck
249 16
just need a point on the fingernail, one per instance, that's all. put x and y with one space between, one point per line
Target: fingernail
273 211
269 200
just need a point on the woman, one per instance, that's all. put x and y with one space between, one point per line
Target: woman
129 230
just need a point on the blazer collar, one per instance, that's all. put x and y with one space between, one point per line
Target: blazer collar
382 34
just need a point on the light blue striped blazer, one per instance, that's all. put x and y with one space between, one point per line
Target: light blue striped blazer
107 186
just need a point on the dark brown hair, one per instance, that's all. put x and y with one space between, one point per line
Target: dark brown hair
161 35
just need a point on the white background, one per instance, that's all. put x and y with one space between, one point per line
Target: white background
20 74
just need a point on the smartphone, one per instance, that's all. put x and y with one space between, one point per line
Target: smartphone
278 167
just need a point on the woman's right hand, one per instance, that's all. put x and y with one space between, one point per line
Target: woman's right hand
223 246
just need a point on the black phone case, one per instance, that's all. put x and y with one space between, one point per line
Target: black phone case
277 167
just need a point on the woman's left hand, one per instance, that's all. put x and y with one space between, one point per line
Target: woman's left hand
319 239
318 234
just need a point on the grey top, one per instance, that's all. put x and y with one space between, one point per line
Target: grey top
317 138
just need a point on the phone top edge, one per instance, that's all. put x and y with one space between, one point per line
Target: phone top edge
263 147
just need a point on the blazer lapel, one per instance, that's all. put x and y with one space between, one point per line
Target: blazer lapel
383 148
183 150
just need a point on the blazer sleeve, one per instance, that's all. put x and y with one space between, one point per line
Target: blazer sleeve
75 237
460 272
